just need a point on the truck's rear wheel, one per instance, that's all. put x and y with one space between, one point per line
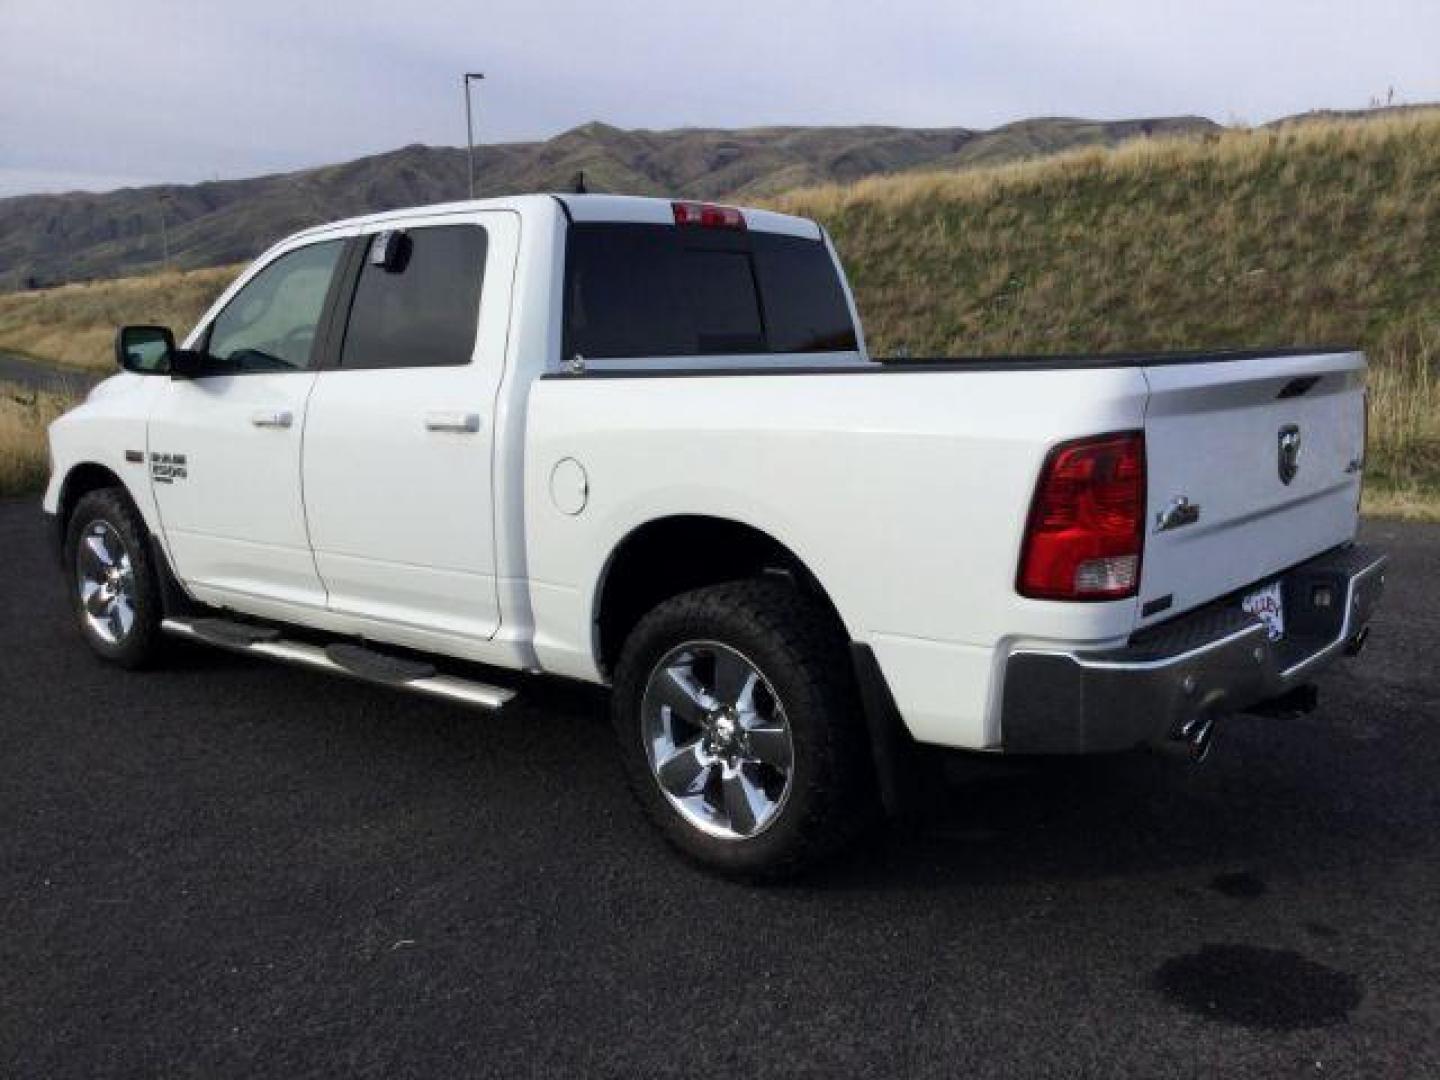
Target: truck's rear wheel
739 727
112 579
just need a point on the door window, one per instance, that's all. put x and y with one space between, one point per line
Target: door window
271 324
421 306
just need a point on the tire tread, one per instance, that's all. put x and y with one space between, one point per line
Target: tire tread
838 800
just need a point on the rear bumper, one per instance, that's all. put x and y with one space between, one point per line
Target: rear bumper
1167 687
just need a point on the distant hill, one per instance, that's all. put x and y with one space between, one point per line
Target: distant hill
50 239
1295 233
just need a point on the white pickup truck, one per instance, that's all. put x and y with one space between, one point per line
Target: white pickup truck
641 443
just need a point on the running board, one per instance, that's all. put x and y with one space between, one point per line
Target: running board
351 660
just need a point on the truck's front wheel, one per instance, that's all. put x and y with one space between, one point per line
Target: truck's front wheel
738 724
113 582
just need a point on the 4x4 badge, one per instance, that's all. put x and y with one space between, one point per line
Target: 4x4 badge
1289 452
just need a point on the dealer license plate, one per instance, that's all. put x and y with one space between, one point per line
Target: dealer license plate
1268 605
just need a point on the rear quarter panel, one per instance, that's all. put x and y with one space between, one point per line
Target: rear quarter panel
904 493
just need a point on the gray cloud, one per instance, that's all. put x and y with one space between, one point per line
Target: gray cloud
94 94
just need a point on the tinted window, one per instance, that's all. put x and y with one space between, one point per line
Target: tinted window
659 290
270 324
422 310
805 308
720 288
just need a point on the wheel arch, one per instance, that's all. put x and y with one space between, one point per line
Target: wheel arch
83 478
87 476
670 555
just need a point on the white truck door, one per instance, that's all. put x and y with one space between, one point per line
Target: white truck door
399 435
224 447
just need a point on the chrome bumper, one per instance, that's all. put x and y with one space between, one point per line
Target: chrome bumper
1168 686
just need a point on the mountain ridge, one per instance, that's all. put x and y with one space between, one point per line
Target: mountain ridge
53 238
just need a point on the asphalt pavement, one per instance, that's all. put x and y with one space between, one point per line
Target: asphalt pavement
226 868
49 378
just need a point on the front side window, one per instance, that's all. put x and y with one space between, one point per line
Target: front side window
271 324
420 307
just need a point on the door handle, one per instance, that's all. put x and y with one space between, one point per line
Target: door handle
466 423
281 418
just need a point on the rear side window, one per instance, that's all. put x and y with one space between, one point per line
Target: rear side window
661 290
422 310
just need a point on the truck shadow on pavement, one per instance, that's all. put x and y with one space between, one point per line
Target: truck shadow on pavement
1254 805
1260 805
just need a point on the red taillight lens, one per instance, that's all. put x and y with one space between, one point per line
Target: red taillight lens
708 215
1087 523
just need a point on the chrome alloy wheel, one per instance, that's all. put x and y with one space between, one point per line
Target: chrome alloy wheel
106 580
717 739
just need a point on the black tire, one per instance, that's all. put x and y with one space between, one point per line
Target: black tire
800 652
111 508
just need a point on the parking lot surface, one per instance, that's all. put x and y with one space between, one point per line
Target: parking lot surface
225 868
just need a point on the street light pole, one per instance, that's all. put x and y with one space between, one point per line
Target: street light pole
470 76
164 236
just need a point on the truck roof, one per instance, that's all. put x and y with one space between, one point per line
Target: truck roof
582 208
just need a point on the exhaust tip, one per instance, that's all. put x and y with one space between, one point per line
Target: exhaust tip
1203 740
1356 645
1193 739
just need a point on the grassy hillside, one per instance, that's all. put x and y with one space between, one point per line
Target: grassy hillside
1323 232
24 463
75 325
58 238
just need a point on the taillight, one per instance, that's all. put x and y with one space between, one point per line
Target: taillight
708 215
1087 524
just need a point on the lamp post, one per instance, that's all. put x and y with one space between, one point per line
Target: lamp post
470 76
164 235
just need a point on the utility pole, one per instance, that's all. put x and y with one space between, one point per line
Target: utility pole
164 236
470 76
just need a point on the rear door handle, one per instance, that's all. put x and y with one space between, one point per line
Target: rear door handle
466 423
281 418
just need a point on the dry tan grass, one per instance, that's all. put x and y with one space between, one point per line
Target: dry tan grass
1319 232
1403 474
24 458
75 324
1312 233
1242 151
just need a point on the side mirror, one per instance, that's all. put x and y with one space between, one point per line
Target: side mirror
390 250
145 350
189 364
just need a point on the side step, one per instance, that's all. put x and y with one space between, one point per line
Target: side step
340 659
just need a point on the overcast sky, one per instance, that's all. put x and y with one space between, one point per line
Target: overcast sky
97 95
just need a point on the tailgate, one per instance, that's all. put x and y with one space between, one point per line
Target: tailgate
1266 452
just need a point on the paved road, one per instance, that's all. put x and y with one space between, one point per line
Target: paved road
232 869
37 375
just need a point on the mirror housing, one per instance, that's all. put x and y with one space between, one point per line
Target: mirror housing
390 250
188 364
145 350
